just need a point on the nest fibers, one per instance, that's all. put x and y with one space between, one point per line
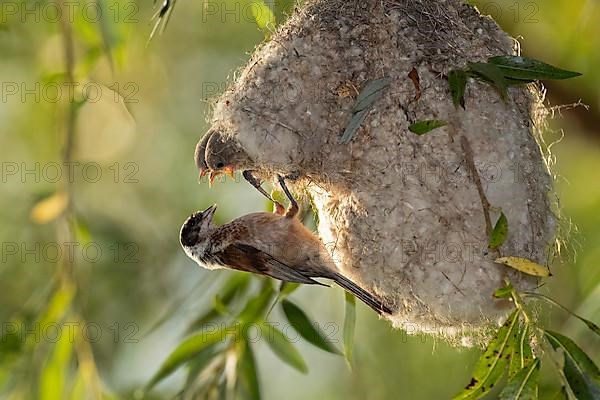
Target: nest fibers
403 215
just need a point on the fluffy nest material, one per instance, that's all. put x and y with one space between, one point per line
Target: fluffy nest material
403 215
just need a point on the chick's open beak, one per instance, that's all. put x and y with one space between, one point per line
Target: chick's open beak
201 173
211 177
229 170
212 174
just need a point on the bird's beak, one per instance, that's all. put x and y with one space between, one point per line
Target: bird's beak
229 170
209 212
211 177
201 173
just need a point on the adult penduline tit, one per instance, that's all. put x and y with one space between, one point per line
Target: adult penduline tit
271 244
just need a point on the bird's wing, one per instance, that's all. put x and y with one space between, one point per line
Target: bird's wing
248 258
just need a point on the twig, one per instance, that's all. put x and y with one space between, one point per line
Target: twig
477 180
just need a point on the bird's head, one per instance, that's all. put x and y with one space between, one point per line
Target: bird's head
199 154
222 154
195 233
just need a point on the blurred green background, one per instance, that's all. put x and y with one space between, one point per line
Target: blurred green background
129 289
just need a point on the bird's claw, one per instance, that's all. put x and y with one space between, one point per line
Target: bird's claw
293 210
279 208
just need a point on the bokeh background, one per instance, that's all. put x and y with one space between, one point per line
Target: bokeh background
126 285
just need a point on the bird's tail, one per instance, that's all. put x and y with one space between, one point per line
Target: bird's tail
366 297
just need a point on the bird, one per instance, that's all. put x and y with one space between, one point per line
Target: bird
216 153
270 244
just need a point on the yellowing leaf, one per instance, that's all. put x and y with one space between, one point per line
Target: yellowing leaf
50 208
524 265
491 365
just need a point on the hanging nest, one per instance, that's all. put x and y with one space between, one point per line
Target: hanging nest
405 216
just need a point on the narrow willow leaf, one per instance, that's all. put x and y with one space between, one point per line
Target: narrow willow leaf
256 308
50 208
370 93
367 96
518 82
522 354
524 385
284 349
55 373
493 74
527 68
422 127
106 30
307 328
504 292
186 350
200 362
287 288
524 265
592 326
499 233
233 288
248 373
458 83
352 127
349 326
490 367
582 374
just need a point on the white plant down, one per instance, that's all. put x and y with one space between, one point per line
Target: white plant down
403 215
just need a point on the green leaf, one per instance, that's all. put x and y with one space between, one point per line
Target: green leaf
592 326
54 375
492 74
582 374
186 350
107 30
367 96
284 349
248 374
490 367
422 127
256 308
287 288
458 82
524 385
522 354
200 361
232 289
307 328
349 326
504 292
524 68
518 82
264 17
499 233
